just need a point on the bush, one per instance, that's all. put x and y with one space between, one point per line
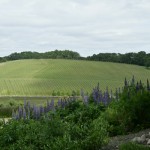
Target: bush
7 108
31 134
6 111
76 126
79 125
130 113
98 135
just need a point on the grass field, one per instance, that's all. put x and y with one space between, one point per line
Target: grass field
42 77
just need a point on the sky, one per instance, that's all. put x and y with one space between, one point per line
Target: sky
85 26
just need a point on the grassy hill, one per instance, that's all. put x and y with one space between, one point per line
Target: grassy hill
42 77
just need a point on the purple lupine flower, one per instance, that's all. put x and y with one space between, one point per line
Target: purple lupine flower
100 97
20 112
59 103
82 93
25 104
62 103
28 113
128 94
148 86
111 95
97 87
125 82
94 95
48 106
117 96
24 114
140 85
133 80
85 100
17 116
104 99
41 110
137 87
107 95
37 113
45 109
34 112
52 104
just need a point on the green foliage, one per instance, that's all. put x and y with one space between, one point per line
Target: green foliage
133 146
79 126
7 108
65 54
76 126
31 134
53 93
58 93
130 113
98 134
6 111
140 58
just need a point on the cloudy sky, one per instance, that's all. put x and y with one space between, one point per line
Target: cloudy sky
85 26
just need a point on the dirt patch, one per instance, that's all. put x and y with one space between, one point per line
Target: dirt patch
118 140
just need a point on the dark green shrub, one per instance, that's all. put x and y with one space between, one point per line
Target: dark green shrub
54 93
98 135
58 93
7 108
6 111
130 113
26 134
74 127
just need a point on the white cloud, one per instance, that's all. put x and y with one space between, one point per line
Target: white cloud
87 26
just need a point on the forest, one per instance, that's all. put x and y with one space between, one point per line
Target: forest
141 58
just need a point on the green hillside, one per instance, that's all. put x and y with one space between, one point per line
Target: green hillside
42 77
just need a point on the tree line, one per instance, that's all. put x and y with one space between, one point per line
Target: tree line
140 58
57 54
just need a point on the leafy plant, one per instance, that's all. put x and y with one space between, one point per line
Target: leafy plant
131 111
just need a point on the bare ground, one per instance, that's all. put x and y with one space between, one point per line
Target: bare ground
118 140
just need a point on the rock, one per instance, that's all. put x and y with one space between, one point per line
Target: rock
134 139
143 138
148 135
147 139
137 139
148 142
140 140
